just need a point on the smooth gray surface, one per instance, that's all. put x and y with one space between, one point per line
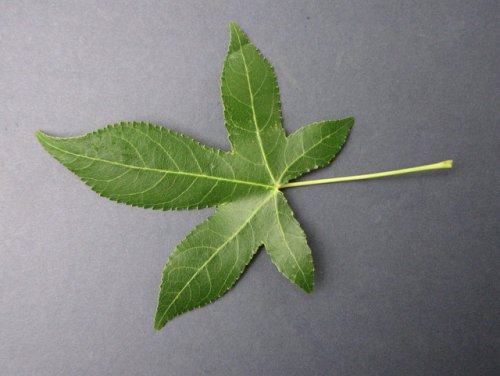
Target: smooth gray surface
407 268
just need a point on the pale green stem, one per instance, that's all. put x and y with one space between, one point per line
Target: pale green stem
434 166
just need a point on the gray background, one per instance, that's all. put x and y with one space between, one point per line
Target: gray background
407 268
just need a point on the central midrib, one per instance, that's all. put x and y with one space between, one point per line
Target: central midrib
254 115
144 168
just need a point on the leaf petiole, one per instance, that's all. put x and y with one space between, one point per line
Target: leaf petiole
434 166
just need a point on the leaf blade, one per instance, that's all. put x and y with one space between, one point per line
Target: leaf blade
123 162
314 146
201 268
287 246
252 108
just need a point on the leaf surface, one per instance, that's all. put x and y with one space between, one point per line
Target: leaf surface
144 165
314 146
213 256
252 108
287 246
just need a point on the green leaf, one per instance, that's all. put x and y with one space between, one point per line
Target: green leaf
212 257
314 146
145 165
252 105
287 246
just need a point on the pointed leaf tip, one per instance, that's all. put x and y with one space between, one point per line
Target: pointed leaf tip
234 25
157 325
238 38
38 134
41 137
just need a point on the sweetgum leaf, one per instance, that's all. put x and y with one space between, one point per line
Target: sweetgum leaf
150 166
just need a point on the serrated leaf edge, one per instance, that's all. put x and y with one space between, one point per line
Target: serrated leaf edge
42 138
302 233
158 323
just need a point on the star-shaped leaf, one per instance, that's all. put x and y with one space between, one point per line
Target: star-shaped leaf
149 166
